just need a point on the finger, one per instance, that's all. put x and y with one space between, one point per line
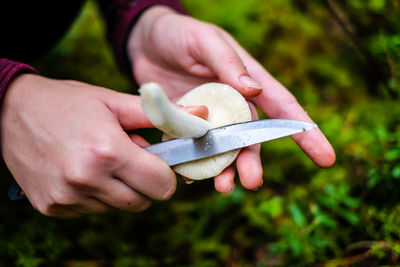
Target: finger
138 140
91 206
186 179
226 63
312 142
224 182
322 154
277 102
144 172
248 162
199 111
63 212
201 70
249 167
128 110
117 194
140 170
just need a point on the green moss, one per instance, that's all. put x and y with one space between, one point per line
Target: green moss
303 215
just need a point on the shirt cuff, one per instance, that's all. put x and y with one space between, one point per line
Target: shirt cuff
120 19
9 69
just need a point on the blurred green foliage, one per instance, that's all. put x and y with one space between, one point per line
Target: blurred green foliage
341 59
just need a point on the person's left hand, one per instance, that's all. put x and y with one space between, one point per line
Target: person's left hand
180 52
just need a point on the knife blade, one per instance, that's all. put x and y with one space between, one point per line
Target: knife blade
214 142
226 138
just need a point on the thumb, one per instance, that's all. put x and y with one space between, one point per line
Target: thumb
226 63
128 110
129 113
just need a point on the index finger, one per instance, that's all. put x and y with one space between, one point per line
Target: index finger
277 102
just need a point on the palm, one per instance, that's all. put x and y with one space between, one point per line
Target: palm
175 82
178 66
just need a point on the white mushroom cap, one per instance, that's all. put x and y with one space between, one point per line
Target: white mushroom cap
225 106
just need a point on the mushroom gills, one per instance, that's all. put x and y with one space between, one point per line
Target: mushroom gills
225 106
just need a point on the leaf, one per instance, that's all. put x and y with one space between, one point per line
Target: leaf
396 172
392 154
272 207
297 215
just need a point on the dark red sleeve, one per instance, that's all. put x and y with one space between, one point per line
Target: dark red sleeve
9 69
121 15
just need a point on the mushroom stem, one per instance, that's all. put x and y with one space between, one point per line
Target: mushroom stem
167 117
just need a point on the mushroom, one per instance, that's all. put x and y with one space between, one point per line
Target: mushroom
225 106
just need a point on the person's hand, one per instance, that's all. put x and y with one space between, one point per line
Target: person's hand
180 53
65 144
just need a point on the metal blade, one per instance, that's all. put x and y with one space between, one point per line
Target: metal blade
226 138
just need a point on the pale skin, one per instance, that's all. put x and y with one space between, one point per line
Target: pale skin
66 145
192 52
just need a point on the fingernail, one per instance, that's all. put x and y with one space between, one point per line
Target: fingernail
259 186
248 82
187 180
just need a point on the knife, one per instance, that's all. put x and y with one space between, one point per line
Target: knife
214 142
226 138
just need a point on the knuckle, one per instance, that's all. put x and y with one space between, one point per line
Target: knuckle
290 105
61 198
102 155
57 212
46 209
54 208
233 60
43 205
77 176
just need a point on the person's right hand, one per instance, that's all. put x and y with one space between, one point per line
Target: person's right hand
65 144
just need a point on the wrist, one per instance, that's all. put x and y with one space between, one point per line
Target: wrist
11 98
17 92
10 69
